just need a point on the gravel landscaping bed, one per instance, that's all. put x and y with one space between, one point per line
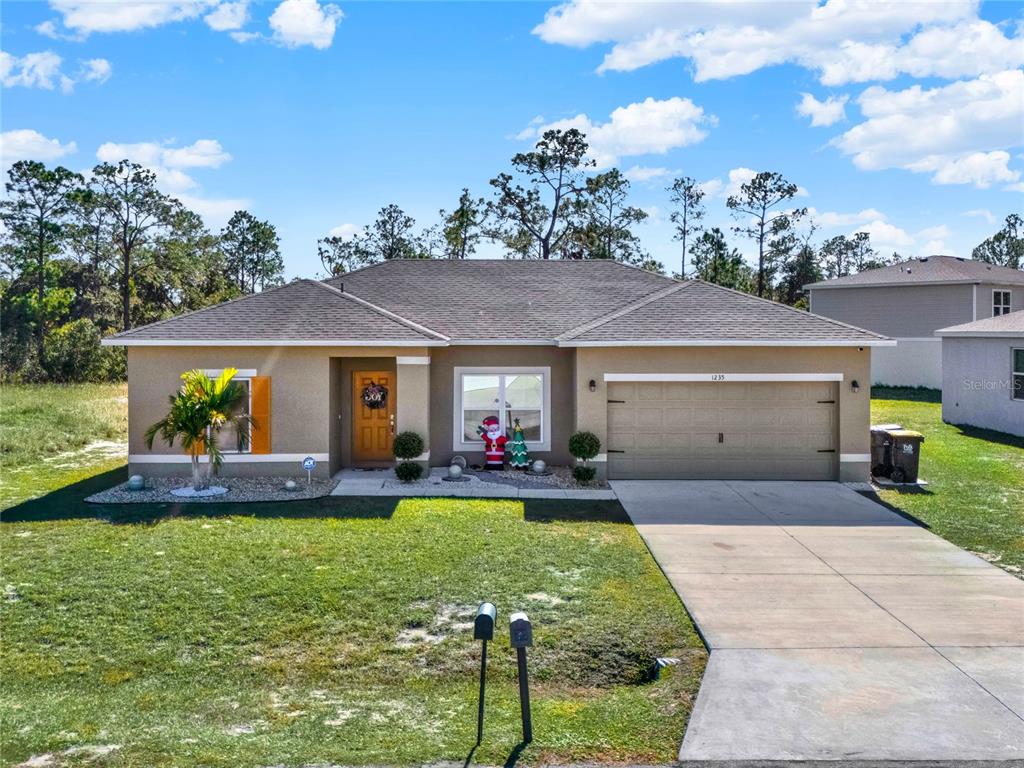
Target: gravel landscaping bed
559 477
239 489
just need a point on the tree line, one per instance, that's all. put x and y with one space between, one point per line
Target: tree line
81 258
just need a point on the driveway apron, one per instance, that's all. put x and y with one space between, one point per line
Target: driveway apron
838 629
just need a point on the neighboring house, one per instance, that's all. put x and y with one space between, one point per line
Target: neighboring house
910 301
983 373
677 379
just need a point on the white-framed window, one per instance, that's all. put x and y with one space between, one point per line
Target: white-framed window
227 438
1001 303
508 394
1017 374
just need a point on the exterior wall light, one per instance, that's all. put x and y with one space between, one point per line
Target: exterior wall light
593 386
855 386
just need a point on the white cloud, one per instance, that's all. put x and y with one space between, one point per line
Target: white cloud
934 233
228 16
835 219
305 22
842 40
822 113
166 161
96 70
26 144
956 131
981 213
711 187
981 169
641 174
885 236
43 70
345 231
204 153
215 211
642 128
33 70
88 16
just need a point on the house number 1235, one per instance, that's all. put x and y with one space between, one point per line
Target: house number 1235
718 377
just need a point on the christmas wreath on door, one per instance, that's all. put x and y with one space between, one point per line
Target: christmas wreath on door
374 396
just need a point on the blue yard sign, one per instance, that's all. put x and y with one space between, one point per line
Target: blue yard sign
309 464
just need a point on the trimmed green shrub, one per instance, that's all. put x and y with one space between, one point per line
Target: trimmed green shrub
408 471
583 474
584 445
408 445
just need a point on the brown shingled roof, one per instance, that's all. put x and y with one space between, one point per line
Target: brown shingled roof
1010 324
927 269
700 312
480 301
300 311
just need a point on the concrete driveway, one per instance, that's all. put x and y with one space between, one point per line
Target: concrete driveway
837 629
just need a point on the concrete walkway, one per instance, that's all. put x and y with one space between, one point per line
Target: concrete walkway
838 630
354 482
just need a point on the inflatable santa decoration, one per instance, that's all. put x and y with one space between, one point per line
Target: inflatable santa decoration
494 443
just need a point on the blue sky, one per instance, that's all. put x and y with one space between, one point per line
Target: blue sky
314 115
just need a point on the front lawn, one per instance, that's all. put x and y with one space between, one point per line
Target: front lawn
331 631
975 492
52 435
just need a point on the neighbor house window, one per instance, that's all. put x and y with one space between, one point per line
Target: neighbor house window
1017 375
1000 303
507 394
227 438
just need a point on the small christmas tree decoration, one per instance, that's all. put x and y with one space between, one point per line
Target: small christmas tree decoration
517 448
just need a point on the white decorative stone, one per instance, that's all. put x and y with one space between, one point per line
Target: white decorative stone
539 466
191 493
460 461
454 471
289 485
136 483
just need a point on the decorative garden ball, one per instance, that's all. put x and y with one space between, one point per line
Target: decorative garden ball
136 483
539 466
454 472
289 485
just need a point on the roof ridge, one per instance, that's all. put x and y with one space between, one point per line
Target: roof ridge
125 333
623 310
801 312
381 311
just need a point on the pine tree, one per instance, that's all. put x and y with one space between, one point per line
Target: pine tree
517 448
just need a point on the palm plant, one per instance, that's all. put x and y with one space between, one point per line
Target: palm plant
200 409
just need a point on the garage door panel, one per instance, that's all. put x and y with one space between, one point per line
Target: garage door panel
769 430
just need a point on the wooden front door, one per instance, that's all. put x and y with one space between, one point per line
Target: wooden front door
372 428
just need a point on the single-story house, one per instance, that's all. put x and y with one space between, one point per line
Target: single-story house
911 300
678 379
983 373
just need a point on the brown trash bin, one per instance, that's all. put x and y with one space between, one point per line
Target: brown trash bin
906 455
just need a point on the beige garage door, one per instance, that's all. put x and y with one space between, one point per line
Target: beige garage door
722 430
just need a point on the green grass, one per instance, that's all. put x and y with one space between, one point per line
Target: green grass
53 435
975 492
332 631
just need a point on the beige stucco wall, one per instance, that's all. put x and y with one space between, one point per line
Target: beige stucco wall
303 412
443 362
852 362
413 412
910 311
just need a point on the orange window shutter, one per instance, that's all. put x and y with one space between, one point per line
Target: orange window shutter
260 392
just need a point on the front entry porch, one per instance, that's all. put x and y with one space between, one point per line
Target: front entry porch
372 399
